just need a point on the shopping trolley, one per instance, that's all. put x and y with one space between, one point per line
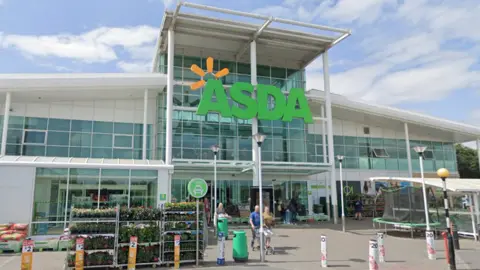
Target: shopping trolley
267 234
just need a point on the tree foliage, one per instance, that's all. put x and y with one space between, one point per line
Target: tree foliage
467 161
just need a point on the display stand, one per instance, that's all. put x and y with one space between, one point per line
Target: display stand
98 229
181 219
146 225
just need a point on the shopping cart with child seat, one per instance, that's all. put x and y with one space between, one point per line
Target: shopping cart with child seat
267 234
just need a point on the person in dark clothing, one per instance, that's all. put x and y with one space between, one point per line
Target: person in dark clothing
293 209
358 209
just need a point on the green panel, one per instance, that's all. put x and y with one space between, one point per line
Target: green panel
80 139
123 153
102 127
14 136
115 172
378 163
16 122
36 123
403 164
124 141
82 125
58 138
59 124
102 140
101 152
349 140
80 152
84 172
391 164
123 128
57 151
33 150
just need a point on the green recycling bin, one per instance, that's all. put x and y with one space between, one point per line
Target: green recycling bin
222 226
240 247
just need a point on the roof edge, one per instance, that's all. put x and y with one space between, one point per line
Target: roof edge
399 114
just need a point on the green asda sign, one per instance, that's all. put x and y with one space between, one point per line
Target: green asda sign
214 99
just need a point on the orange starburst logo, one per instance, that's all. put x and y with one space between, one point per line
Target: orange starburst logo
197 70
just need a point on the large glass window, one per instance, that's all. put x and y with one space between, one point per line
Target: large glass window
58 190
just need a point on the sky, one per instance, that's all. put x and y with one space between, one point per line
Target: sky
420 55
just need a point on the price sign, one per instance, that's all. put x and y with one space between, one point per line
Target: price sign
176 254
27 255
79 253
132 253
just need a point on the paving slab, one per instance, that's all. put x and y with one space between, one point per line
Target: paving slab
298 247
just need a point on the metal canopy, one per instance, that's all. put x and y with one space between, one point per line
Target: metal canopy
91 163
229 40
228 166
453 184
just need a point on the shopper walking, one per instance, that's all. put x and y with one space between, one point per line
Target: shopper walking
254 224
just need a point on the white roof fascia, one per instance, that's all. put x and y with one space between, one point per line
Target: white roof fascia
55 81
398 114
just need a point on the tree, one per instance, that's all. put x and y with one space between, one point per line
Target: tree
467 161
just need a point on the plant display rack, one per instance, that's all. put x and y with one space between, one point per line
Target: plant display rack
107 235
181 219
146 224
98 228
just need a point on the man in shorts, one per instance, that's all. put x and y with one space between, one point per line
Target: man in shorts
255 224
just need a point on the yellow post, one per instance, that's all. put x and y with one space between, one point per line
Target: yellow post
27 255
79 254
176 256
132 253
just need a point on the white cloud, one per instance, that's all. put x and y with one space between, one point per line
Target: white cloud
135 67
97 45
422 51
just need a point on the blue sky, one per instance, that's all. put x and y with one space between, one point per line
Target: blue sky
421 55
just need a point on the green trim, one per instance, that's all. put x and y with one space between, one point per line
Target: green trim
416 225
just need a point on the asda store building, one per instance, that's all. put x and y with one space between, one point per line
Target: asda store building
96 140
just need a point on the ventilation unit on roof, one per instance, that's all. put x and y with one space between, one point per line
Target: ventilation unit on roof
366 130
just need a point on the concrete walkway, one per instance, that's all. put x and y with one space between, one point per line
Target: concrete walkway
299 248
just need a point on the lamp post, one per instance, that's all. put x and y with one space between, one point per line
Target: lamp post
259 138
428 234
215 150
443 174
340 160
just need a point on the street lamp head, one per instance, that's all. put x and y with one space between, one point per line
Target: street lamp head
340 158
420 149
259 138
215 148
443 173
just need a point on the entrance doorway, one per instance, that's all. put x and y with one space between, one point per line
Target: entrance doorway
268 198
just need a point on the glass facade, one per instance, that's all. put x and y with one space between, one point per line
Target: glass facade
193 134
87 188
32 136
384 154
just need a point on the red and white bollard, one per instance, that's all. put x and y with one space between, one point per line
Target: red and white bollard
430 237
323 251
373 255
381 247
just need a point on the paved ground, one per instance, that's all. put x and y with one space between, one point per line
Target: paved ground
299 248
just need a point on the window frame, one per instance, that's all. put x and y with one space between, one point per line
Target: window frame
123 147
430 157
376 155
34 130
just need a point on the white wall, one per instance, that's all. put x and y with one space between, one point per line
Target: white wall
16 194
130 111
349 128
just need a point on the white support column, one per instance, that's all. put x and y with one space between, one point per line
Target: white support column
478 150
145 124
409 157
331 155
6 117
324 148
253 76
170 82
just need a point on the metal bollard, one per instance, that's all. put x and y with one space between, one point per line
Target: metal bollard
323 251
221 249
456 240
373 254
381 247
451 252
430 237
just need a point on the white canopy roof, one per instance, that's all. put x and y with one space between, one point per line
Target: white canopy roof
93 163
453 184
